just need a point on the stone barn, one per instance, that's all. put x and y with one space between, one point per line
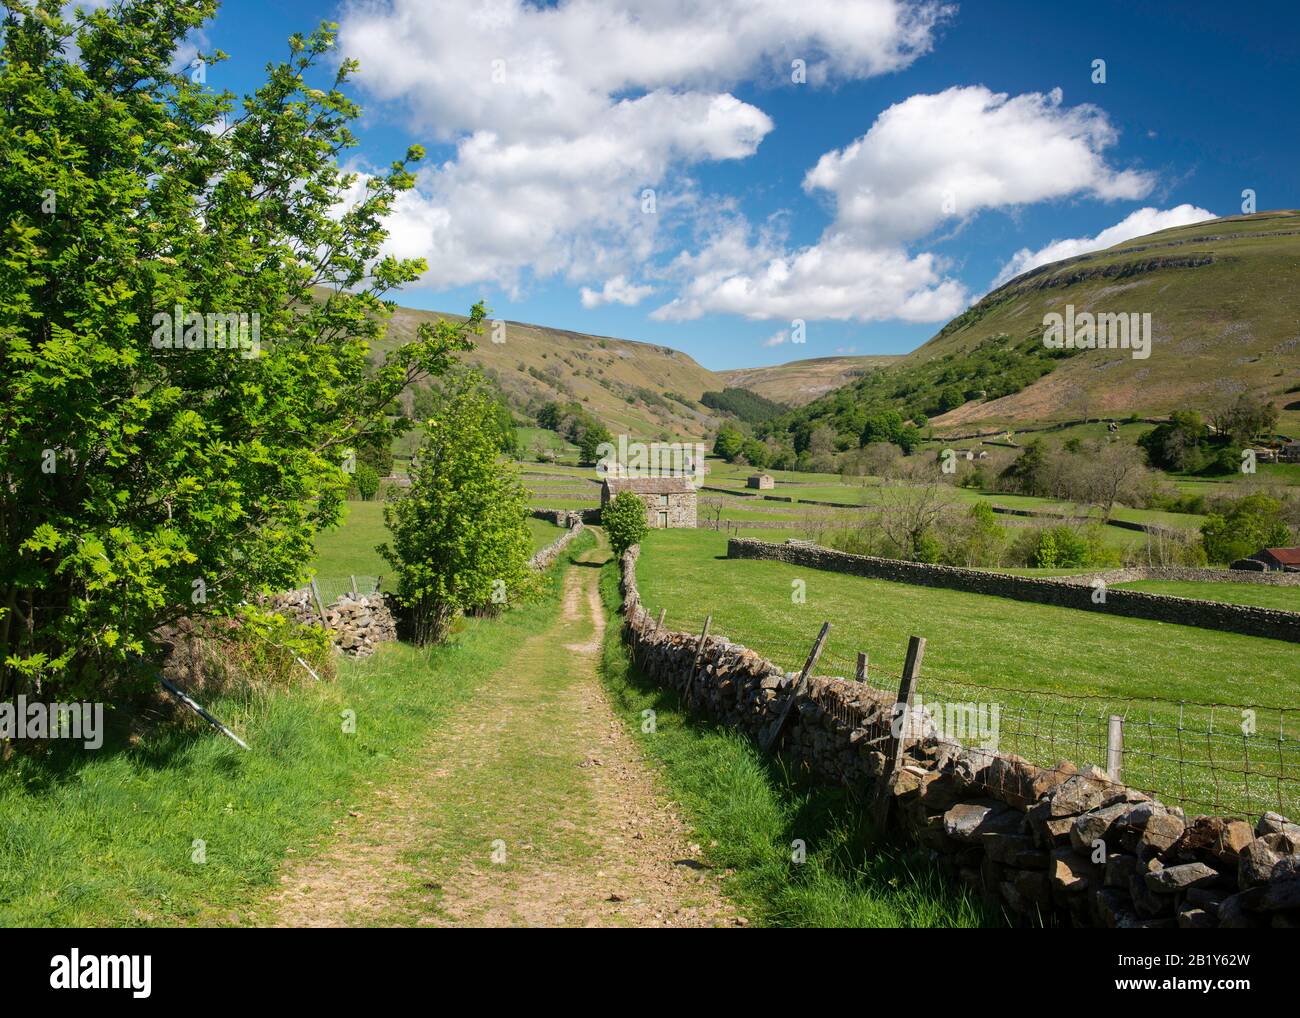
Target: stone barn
669 501
761 481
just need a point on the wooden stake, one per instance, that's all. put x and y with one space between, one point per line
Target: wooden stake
895 747
861 675
315 592
1115 747
797 690
699 649
660 622
354 584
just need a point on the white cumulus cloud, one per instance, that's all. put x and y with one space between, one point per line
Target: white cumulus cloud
925 160
561 117
615 291
1135 224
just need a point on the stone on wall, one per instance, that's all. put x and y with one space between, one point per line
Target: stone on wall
1042 843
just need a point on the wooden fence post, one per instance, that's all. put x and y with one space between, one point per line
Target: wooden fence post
797 690
315 593
354 584
861 675
1115 747
699 649
896 746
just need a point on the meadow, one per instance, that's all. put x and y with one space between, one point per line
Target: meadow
350 550
1057 673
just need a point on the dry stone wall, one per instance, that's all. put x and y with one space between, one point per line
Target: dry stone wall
1045 844
551 552
1062 592
357 623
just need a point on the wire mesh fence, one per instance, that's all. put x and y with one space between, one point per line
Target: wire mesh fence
1230 759
331 588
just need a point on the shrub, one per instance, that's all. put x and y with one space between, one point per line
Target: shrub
365 482
624 520
1252 523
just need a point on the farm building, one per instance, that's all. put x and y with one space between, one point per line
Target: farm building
760 481
1274 560
669 501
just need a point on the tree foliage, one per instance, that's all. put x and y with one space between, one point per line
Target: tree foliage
1252 523
460 534
624 520
140 481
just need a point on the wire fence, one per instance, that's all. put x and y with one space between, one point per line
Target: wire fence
331 588
1230 759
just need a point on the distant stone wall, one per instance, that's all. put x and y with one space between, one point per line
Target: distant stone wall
1024 837
1194 574
775 523
1063 592
567 517
543 558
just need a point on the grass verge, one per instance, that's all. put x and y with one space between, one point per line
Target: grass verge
111 838
748 811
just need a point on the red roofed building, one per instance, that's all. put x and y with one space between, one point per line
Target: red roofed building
1276 560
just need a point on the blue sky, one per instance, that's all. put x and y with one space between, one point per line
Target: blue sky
932 150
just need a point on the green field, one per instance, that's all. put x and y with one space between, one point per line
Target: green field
543 531
1057 673
350 549
1260 594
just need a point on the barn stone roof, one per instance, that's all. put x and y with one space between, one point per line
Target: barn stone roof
649 485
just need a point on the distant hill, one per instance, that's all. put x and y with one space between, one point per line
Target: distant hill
1224 299
639 389
800 382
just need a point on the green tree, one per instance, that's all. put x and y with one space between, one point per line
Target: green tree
755 452
460 537
624 520
729 442
1177 445
886 426
175 395
1253 522
593 436
366 481
1028 472
376 451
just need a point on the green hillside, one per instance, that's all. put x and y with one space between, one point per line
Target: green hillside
1224 300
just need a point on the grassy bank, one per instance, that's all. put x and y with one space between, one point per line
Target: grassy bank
109 837
748 811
